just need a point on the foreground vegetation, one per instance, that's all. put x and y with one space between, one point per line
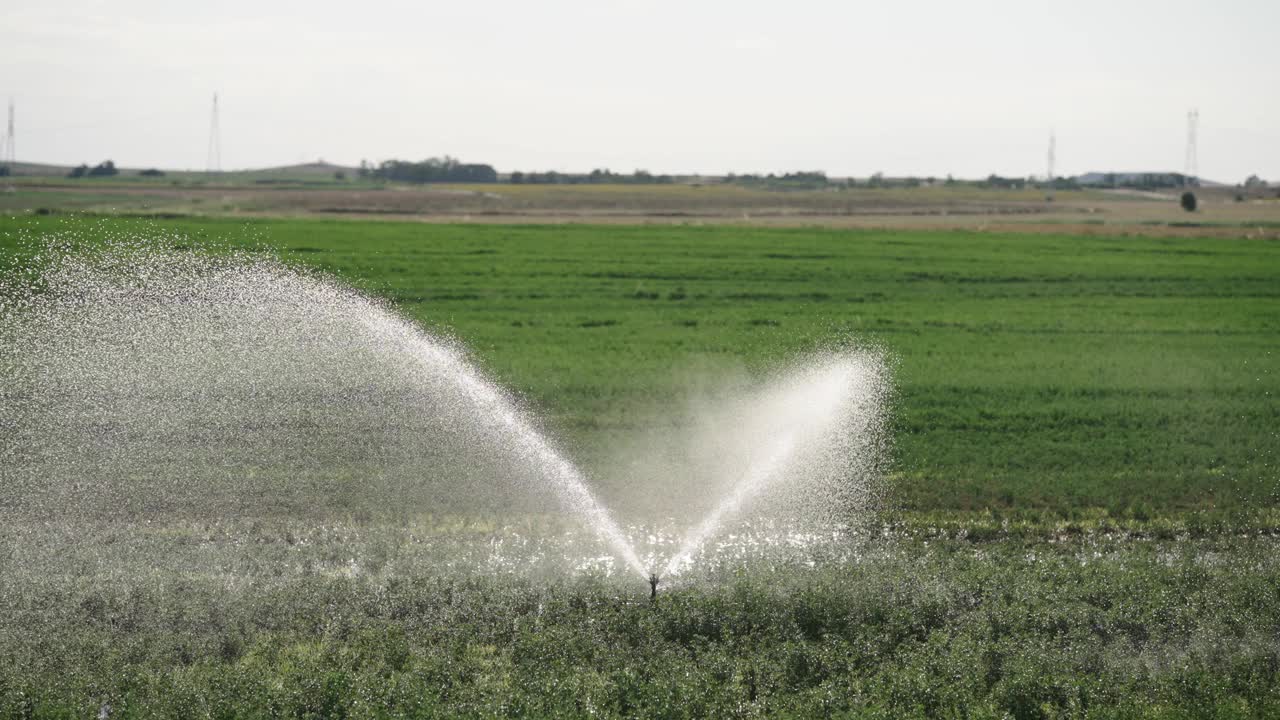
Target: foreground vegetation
263 620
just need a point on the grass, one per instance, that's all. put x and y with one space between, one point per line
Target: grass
1051 372
1084 495
243 620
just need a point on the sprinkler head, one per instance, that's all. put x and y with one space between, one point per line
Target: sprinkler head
653 587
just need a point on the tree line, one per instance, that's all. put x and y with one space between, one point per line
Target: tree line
105 168
599 176
431 170
448 169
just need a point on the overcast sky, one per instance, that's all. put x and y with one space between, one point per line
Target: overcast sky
924 88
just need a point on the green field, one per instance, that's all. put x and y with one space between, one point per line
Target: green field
1081 520
1039 372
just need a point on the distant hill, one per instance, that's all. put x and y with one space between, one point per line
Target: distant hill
39 169
317 169
303 171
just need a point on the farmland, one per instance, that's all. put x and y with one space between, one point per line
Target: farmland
1079 518
313 191
1040 372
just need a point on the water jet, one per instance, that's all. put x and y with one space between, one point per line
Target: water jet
142 381
811 447
147 382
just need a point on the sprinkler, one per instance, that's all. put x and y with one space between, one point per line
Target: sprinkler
653 587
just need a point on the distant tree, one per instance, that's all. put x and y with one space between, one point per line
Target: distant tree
443 169
1253 181
877 180
1009 183
1189 201
78 171
597 176
797 180
364 171
152 172
106 168
473 173
817 177
4 171
339 175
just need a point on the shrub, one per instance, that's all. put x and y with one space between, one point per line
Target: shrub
1189 201
104 169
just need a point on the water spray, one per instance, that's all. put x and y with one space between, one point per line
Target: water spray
803 418
161 378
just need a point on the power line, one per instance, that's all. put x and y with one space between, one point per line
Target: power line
213 163
1192 162
1053 149
10 141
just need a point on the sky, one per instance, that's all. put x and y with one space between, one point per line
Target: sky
696 86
